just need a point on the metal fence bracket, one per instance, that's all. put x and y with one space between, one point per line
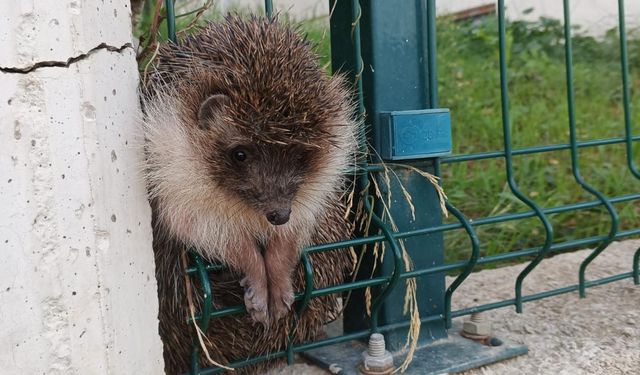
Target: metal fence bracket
414 134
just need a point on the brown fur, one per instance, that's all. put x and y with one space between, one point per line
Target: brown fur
241 125
237 337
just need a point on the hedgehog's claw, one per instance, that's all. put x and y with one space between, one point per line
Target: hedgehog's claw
281 301
255 300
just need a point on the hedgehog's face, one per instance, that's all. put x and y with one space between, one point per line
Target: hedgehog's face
266 176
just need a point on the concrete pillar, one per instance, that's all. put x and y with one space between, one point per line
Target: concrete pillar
77 286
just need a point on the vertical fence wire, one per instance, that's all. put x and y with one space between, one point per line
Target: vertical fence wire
207 306
508 155
268 8
171 19
626 98
194 368
304 303
636 267
628 126
207 293
433 103
575 165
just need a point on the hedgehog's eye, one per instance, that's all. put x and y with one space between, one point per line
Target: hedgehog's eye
239 154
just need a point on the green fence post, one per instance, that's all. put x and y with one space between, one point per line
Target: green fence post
395 77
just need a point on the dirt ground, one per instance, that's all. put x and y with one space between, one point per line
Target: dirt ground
565 334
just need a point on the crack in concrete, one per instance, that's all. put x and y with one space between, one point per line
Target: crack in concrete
65 64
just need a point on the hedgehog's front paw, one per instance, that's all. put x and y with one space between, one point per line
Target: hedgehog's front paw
256 300
281 300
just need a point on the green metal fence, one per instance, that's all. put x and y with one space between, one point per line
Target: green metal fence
346 24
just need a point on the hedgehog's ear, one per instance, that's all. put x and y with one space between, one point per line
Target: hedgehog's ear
212 107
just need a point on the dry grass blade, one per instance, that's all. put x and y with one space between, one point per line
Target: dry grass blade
148 64
411 302
434 180
367 300
410 298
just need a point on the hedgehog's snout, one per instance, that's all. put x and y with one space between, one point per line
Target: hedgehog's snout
279 217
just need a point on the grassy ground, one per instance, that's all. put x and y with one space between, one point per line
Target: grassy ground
469 86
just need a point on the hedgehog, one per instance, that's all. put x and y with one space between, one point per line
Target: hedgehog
249 146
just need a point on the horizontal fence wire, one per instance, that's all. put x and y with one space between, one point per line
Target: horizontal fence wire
390 327
200 269
539 149
381 280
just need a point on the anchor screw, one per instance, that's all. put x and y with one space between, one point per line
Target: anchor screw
376 359
477 325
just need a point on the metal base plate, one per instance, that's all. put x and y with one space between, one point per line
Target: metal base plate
453 354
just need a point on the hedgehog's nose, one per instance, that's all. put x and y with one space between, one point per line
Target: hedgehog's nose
279 217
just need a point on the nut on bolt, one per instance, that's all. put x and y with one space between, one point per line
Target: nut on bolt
376 360
477 327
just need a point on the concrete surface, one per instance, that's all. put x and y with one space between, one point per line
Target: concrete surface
45 30
566 335
77 287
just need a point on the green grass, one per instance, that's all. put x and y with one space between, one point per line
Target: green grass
469 85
